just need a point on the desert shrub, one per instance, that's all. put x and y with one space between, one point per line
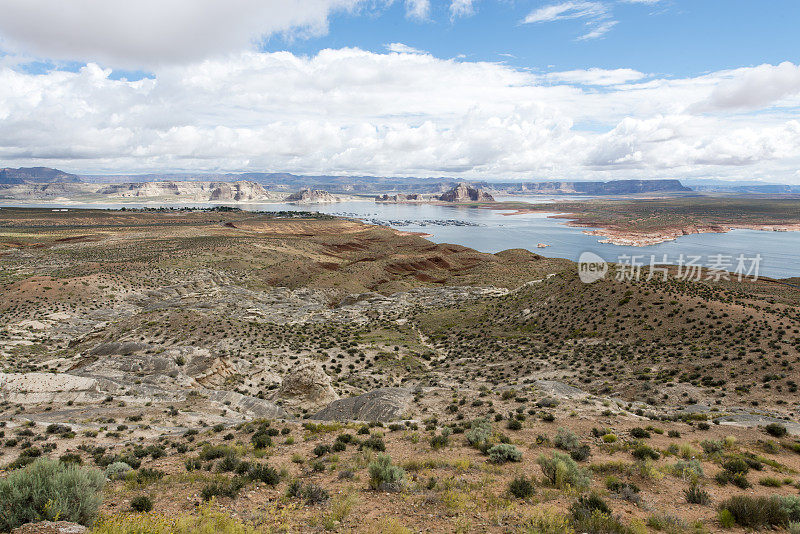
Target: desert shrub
771 482
193 464
117 470
581 453
562 471
384 475
228 463
440 441
736 465
776 430
645 452
521 487
261 440
566 440
639 433
479 434
697 495
725 518
142 503
598 522
711 446
759 512
48 490
502 453
514 424
214 452
321 450
311 493
222 488
545 521
375 443
264 473
209 519
71 458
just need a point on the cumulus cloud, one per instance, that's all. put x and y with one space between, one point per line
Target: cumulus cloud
394 113
753 87
144 33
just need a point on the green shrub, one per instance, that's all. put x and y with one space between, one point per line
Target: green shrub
514 424
776 430
645 452
759 512
725 518
566 440
502 453
264 473
562 471
384 475
639 433
225 488
697 495
142 503
479 434
117 470
48 490
375 443
521 487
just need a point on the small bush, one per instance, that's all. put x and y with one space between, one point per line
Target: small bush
759 512
645 452
561 471
117 470
502 453
142 503
726 519
566 440
227 488
479 434
384 475
776 430
639 433
697 495
521 487
48 490
375 443
264 473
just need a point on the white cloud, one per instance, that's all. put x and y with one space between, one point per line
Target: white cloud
418 9
566 10
462 8
595 76
598 31
395 113
144 33
401 48
753 87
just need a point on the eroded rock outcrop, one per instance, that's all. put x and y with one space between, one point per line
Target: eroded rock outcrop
307 386
309 196
466 193
384 404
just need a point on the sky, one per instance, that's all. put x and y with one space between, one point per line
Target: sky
471 89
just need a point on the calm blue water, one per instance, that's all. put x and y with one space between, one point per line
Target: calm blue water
492 231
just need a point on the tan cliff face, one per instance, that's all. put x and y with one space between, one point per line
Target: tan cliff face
240 191
466 193
309 196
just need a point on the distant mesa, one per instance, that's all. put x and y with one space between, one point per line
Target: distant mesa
36 175
311 196
241 191
466 193
400 197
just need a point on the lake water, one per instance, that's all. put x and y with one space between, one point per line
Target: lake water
492 231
